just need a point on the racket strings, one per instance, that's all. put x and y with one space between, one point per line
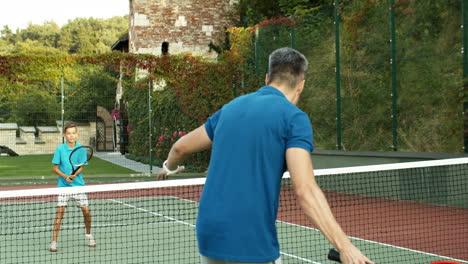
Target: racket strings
80 156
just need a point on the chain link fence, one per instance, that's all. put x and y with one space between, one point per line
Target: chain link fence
382 76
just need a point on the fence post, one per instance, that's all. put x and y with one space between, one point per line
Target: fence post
293 38
150 134
465 74
62 106
394 79
337 76
257 48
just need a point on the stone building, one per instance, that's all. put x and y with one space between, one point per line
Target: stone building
184 26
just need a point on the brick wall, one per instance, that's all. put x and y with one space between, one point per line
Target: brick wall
186 25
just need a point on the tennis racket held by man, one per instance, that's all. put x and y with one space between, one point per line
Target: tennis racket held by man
334 255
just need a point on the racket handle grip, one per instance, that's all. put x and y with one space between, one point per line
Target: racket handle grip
334 255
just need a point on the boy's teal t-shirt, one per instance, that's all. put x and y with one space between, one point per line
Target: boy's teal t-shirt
62 158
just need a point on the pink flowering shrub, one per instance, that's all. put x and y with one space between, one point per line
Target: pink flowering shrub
165 142
129 129
115 113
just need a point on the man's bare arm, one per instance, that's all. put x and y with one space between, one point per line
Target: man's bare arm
316 207
195 141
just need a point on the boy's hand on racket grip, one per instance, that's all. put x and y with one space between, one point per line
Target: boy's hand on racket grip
69 179
352 255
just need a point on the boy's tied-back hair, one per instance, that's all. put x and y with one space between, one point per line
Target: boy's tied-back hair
69 125
287 66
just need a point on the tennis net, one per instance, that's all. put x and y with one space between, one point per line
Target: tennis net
415 212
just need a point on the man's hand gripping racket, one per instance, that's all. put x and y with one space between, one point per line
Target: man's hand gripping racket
334 255
79 157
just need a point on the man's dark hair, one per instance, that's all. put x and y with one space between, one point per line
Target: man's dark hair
287 66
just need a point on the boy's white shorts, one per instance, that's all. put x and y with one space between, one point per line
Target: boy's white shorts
80 199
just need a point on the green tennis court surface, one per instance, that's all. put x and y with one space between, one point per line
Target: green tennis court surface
154 222
147 231
21 168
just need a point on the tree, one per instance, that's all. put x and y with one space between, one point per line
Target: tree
7 35
47 34
95 86
252 12
91 36
34 47
35 108
82 36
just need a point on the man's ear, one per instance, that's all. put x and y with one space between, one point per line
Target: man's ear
300 86
267 79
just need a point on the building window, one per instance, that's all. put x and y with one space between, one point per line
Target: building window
165 48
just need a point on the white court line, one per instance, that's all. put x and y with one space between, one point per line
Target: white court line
314 229
63 227
153 213
296 257
287 223
379 243
355 238
185 223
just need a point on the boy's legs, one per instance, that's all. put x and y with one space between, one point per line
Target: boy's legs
87 218
58 222
82 201
56 227
61 205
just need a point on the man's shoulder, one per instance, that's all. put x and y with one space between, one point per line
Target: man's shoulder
290 109
242 97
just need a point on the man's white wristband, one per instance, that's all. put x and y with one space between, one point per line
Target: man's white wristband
168 171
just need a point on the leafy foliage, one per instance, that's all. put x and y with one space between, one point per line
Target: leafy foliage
82 36
428 72
184 90
252 12
36 58
35 109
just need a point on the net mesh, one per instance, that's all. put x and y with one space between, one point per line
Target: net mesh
397 213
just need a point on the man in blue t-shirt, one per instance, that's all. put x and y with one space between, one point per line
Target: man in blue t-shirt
254 139
63 168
